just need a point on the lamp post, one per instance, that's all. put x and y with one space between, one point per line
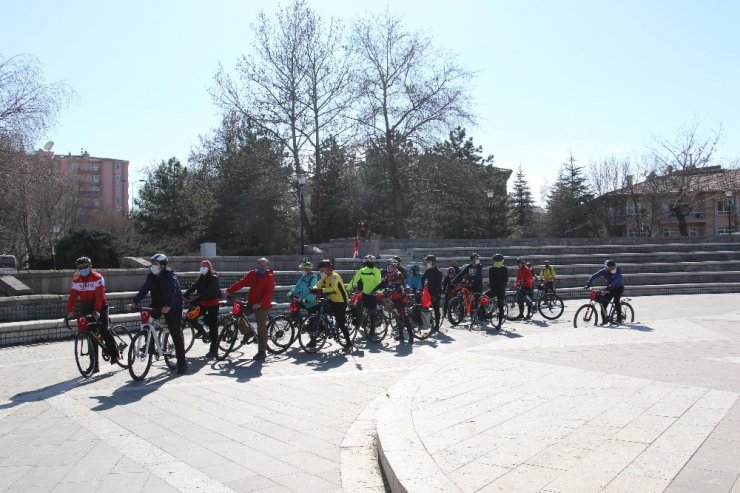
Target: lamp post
730 201
133 192
490 194
301 179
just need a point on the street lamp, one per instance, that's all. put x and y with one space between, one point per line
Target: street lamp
133 192
729 194
490 194
301 179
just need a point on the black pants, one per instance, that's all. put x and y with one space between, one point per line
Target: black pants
435 307
615 293
522 295
110 342
400 306
500 295
339 310
174 324
210 317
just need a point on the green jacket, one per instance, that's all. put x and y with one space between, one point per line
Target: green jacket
370 277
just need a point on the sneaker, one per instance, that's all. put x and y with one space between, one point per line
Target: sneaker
348 348
211 354
182 370
520 316
311 344
259 357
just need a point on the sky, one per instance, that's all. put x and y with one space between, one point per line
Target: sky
591 77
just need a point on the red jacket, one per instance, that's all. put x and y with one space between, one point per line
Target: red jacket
260 287
90 289
524 277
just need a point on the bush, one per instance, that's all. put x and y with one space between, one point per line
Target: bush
98 245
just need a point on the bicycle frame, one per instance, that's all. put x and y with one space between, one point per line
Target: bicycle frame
151 326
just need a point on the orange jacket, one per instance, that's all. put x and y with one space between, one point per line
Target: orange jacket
89 289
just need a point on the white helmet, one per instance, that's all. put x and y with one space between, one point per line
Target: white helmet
159 257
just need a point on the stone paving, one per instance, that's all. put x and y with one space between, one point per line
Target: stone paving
544 407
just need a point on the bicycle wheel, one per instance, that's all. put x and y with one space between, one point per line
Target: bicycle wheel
122 336
188 334
550 306
511 307
456 310
85 353
586 316
280 334
417 324
628 313
140 355
312 335
376 327
168 350
227 337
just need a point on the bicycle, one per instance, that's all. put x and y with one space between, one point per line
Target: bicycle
465 304
359 317
317 328
289 322
489 304
88 339
279 338
587 314
193 324
545 301
395 318
152 341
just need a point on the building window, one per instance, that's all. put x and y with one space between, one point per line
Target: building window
693 231
669 233
96 178
118 187
94 188
116 165
723 230
633 233
95 166
723 207
118 177
118 200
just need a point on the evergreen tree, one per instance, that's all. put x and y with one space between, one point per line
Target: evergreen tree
521 206
567 202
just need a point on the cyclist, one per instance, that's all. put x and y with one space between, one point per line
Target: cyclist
261 283
394 283
448 288
525 281
209 294
614 287
164 287
472 272
332 286
547 275
367 280
432 279
413 280
498 278
302 288
401 268
89 286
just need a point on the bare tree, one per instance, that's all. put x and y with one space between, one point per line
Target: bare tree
610 180
28 105
408 91
683 165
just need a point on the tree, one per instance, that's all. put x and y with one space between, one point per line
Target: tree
682 164
612 182
98 245
567 202
407 91
521 206
28 105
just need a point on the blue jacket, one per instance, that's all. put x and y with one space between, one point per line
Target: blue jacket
612 280
165 289
302 290
414 282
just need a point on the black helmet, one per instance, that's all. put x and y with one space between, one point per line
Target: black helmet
520 260
325 263
610 263
474 256
83 262
397 259
497 257
414 268
430 258
547 262
159 257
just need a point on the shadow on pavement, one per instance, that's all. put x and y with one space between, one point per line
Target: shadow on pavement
54 390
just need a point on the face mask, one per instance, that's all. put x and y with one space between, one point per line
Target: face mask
323 275
476 262
613 270
204 270
429 265
84 272
155 269
261 270
498 264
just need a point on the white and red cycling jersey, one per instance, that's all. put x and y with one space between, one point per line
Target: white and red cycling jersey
89 289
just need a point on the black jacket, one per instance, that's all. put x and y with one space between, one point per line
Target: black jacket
498 279
165 290
432 279
206 286
476 276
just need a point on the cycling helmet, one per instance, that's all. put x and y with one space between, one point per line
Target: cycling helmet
497 257
397 259
159 257
520 260
83 262
474 256
392 268
392 261
430 258
610 263
370 259
547 262
325 263
305 265
414 268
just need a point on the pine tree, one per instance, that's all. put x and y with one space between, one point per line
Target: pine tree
521 206
567 202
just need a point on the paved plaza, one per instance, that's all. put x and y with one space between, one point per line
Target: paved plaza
650 406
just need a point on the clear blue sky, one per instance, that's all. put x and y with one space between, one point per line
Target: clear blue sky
594 77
